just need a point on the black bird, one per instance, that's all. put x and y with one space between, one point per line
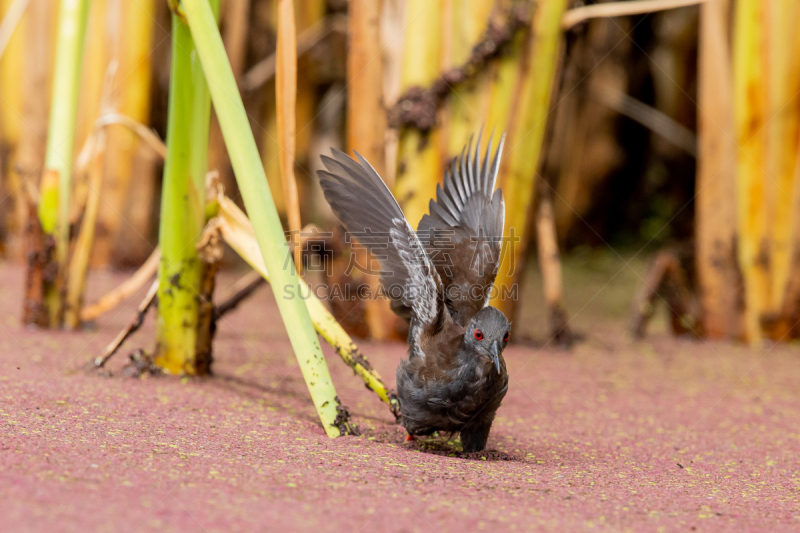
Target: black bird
439 280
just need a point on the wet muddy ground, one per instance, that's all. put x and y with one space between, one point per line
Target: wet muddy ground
658 435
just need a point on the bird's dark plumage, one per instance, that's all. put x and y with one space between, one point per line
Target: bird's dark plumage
439 280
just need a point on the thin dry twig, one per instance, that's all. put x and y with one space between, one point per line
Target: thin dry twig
620 9
125 289
649 117
135 324
109 119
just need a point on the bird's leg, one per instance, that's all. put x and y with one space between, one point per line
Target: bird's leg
474 437
410 437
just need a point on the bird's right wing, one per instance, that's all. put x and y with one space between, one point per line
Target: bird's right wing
463 231
369 212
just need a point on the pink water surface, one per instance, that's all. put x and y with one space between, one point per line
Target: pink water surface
661 435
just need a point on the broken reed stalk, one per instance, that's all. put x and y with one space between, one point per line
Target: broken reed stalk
790 313
182 206
79 262
93 153
85 208
267 225
56 184
750 104
790 307
286 103
527 123
31 151
88 155
13 74
783 132
715 204
238 233
366 125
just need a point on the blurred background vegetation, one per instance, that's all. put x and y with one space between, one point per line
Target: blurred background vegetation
652 127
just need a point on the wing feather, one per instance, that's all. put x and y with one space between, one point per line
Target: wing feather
369 212
465 229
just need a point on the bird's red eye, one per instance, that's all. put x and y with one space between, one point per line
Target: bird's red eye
478 335
505 337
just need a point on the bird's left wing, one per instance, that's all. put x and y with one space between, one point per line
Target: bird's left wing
369 212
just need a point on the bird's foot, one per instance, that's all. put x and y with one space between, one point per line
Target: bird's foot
409 438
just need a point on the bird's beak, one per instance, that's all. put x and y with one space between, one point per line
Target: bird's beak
495 353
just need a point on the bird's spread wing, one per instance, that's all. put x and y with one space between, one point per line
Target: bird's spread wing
464 229
370 214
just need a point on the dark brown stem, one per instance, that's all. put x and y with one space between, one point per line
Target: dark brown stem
249 283
206 322
41 271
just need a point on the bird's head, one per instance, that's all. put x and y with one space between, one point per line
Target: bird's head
487 334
